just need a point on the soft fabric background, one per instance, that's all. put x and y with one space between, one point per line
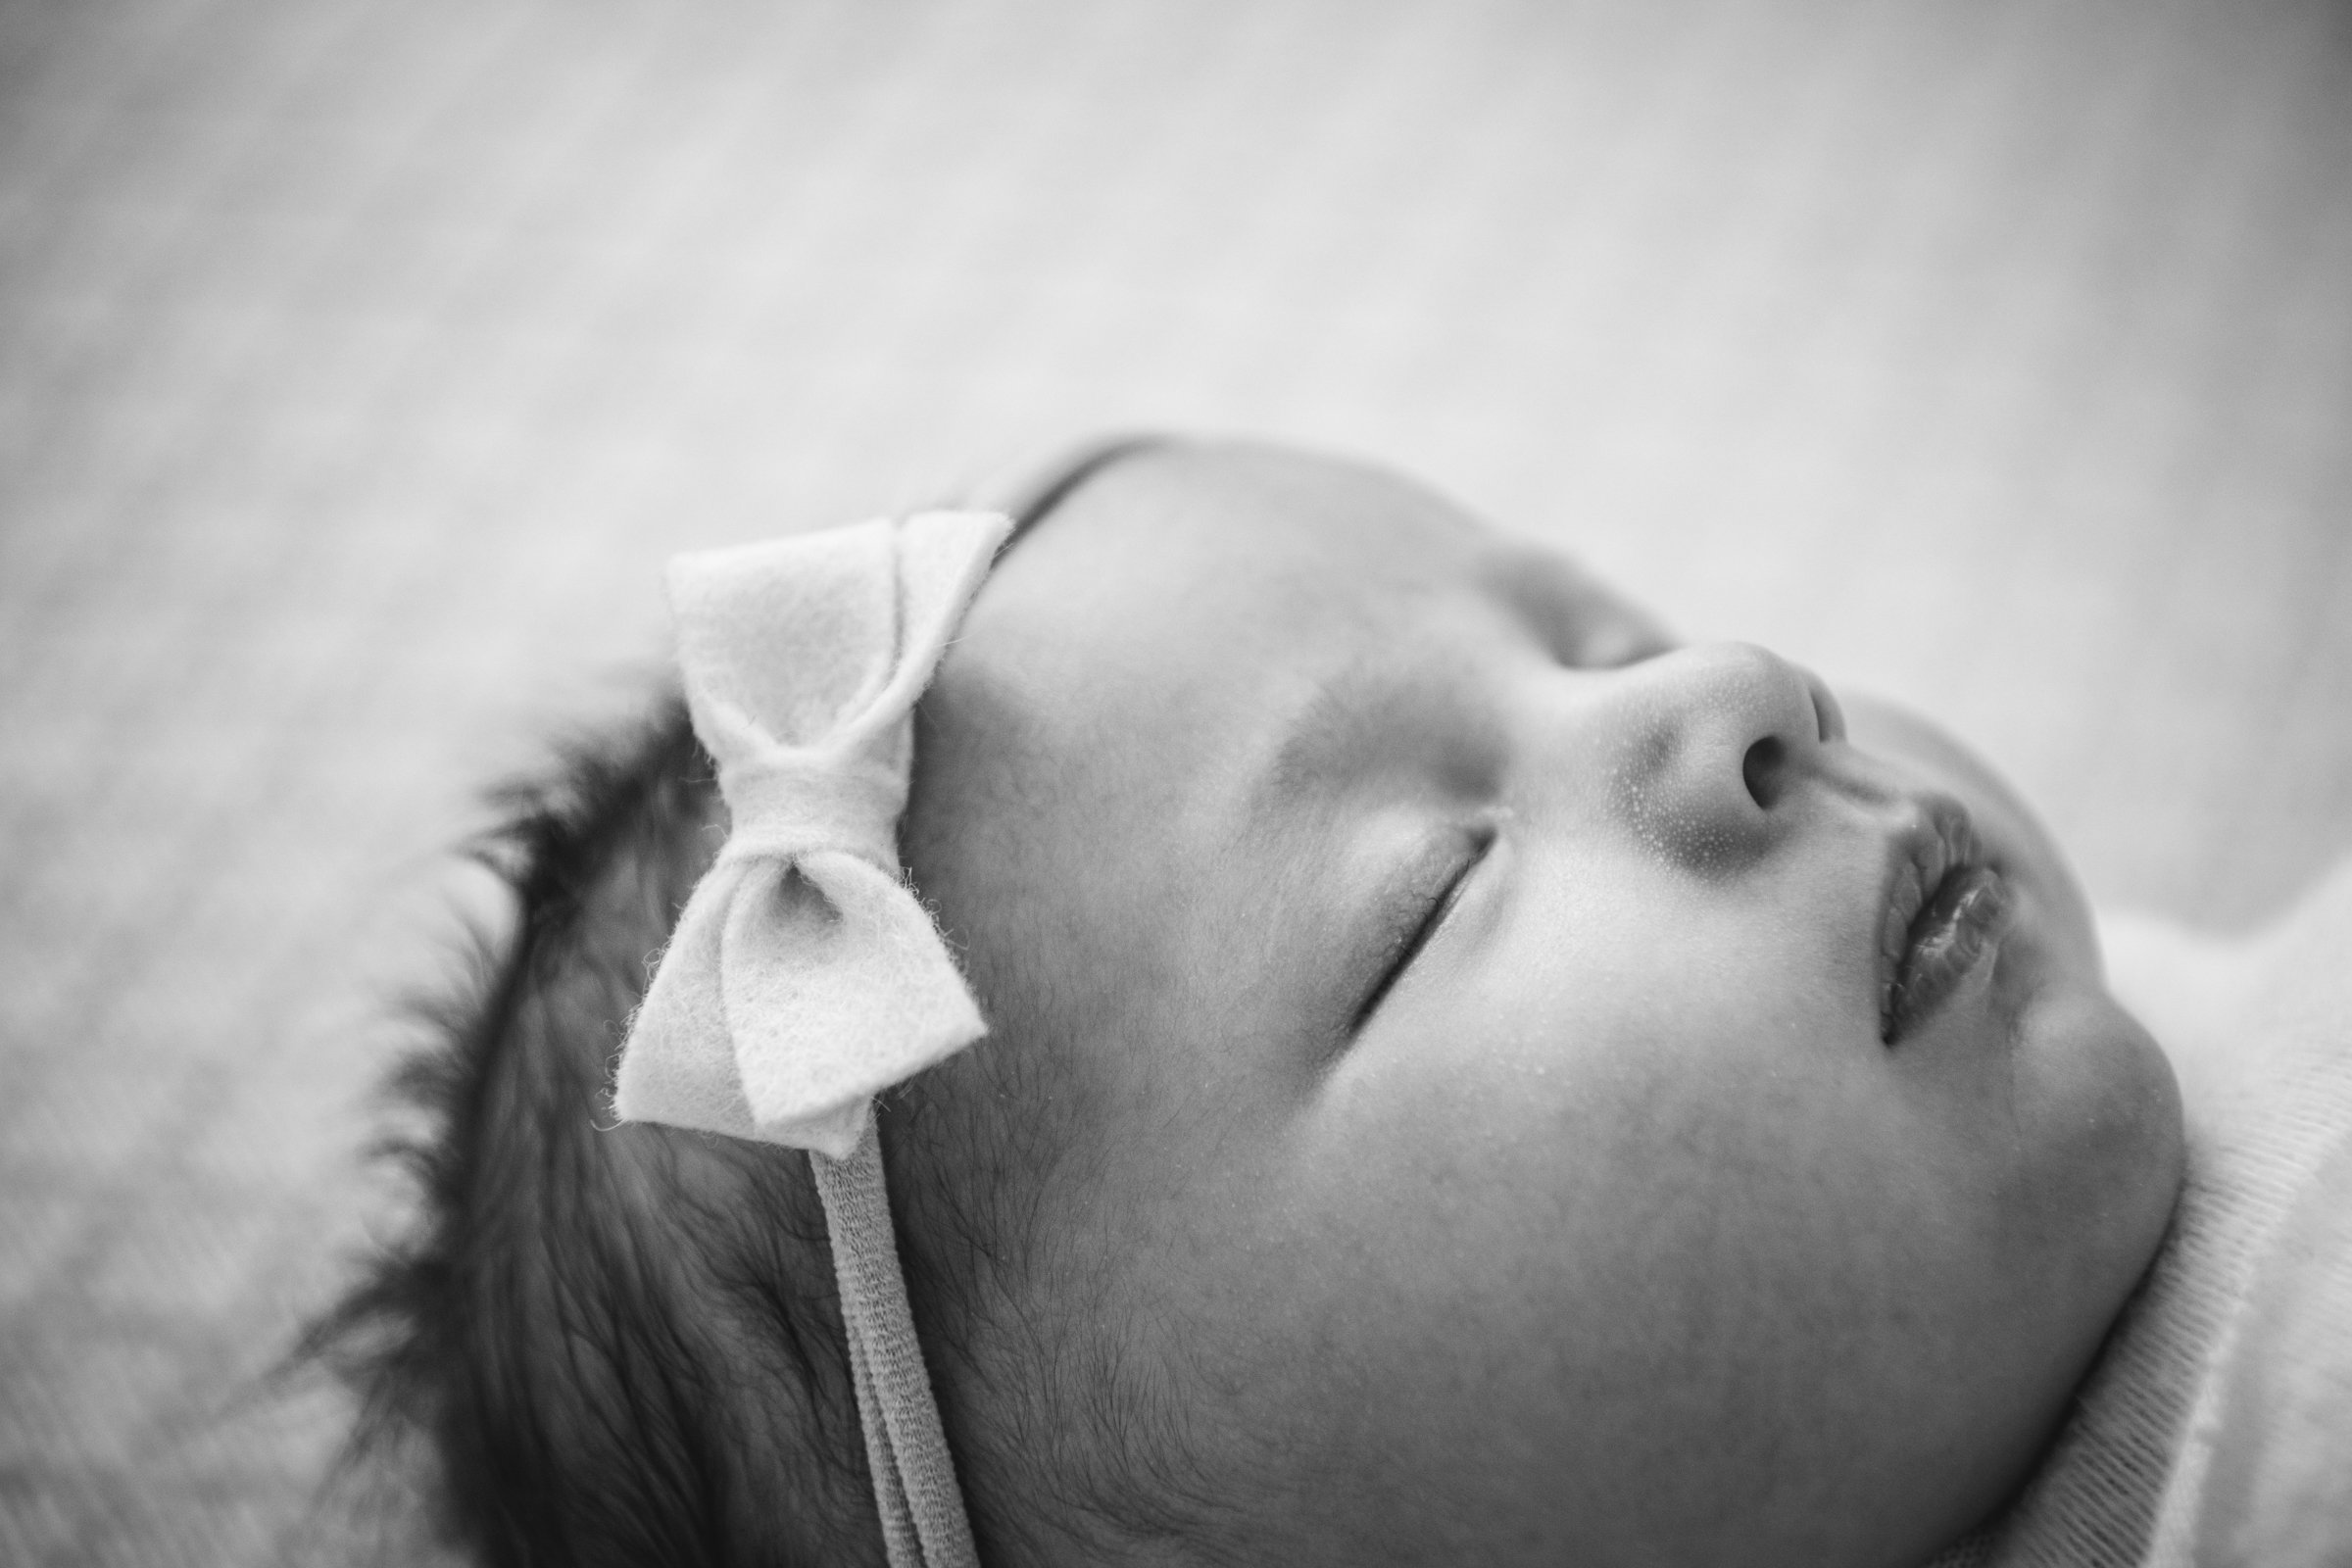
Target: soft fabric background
359 362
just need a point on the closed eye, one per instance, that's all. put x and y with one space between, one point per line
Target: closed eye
1430 896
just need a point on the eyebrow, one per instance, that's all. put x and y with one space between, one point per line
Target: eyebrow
1321 728
1315 734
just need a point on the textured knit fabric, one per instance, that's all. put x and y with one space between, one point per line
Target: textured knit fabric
2217 1428
804 975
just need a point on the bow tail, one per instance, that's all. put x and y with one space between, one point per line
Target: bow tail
835 985
679 1066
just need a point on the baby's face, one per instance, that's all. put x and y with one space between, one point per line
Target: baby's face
1496 1077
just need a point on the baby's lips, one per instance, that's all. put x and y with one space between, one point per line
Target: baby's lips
1971 914
1933 839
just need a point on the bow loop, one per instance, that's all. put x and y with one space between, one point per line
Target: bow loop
805 976
828 952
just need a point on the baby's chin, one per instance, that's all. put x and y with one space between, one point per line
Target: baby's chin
2103 1113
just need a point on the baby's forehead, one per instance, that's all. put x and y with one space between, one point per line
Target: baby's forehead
1264 506
1191 553
1160 613
1170 571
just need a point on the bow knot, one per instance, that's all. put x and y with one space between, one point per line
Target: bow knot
805 976
789 806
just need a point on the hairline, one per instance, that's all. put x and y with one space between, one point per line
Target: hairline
1041 493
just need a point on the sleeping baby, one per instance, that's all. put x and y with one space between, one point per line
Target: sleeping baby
1240 1015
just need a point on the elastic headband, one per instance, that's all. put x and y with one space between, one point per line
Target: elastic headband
805 976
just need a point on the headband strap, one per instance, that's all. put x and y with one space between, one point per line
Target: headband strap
804 976
905 1451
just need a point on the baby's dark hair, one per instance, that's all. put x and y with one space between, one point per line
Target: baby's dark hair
594 1334
624 1345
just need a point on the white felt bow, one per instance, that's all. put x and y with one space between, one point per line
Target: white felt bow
805 976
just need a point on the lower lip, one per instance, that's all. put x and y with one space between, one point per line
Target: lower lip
1958 930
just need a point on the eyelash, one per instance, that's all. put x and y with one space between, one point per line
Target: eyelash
1416 936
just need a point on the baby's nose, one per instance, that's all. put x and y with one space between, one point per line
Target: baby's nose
1721 736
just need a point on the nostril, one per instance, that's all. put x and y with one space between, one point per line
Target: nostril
1763 768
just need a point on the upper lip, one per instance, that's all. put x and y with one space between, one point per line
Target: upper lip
1933 840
